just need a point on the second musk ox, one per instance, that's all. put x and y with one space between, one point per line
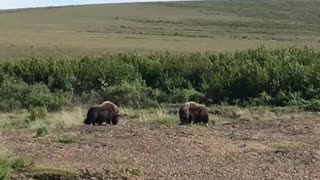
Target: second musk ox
105 112
192 112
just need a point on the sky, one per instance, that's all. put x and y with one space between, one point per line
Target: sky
15 4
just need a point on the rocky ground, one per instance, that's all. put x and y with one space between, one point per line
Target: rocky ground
278 149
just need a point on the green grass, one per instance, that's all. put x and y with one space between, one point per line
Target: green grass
67 139
50 173
132 172
179 27
9 163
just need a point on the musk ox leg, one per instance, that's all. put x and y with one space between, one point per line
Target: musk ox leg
89 122
102 117
182 123
110 118
115 120
204 116
108 121
182 120
91 116
192 119
206 120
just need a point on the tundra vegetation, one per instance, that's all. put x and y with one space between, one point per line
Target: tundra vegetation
253 87
259 77
254 64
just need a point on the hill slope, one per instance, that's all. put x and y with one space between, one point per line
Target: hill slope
181 27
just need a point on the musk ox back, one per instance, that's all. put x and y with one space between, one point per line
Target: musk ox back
192 112
105 112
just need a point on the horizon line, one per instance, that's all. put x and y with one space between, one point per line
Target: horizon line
90 4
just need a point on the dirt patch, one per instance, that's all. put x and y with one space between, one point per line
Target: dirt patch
247 150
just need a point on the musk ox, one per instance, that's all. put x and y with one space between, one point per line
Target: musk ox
192 112
105 112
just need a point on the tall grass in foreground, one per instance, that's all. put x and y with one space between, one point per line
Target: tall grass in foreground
10 163
261 76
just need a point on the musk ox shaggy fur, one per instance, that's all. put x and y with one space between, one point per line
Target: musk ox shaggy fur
106 112
192 112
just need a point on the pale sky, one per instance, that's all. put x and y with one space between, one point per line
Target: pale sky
14 4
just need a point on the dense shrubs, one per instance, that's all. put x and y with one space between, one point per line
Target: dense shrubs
261 76
17 94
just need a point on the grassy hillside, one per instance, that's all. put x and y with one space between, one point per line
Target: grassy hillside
181 27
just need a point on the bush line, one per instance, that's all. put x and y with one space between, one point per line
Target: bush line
260 76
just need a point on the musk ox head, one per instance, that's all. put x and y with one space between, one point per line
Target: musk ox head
184 111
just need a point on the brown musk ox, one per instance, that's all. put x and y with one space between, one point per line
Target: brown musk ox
192 112
105 112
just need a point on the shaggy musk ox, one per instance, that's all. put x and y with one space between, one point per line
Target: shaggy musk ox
191 112
105 112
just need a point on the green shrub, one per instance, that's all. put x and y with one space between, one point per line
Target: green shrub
16 94
183 95
66 139
5 165
281 77
42 131
12 94
40 126
37 113
9 163
21 162
313 105
40 95
263 99
129 94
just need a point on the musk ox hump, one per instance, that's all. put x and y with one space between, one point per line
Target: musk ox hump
110 104
195 107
